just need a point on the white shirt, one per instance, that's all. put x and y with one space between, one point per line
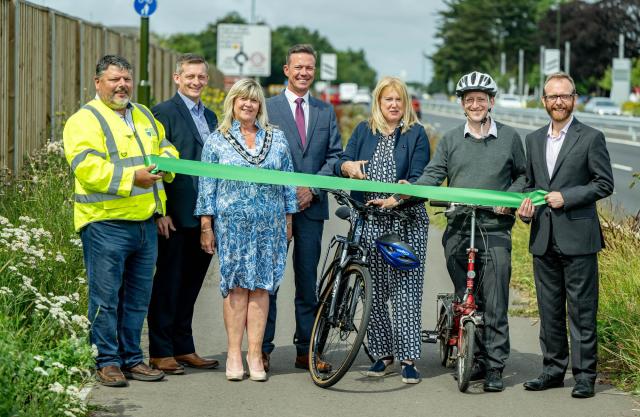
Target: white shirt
493 130
554 144
291 98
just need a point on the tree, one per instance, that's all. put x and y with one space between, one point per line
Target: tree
473 33
593 29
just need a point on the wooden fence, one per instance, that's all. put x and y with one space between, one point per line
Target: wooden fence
47 64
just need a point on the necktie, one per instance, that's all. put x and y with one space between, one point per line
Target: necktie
300 121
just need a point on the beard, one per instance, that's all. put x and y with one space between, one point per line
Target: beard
559 112
116 103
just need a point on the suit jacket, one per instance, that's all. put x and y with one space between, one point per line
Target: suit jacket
322 147
582 175
411 152
182 132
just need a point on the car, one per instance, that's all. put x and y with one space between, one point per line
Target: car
511 101
415 103
602 106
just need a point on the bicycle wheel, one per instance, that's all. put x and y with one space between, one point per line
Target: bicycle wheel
336 340
444 334
465 355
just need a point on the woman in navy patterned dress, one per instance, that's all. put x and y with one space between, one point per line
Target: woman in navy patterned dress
392 146
249 224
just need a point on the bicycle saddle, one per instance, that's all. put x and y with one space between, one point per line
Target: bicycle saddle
397 253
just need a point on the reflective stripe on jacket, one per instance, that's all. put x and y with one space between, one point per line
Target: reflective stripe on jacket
104 154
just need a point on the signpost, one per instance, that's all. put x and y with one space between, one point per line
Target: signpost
144 8
328 67
244 50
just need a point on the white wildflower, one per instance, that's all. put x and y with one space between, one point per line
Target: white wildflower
56 387
94 350
5 291
73 370
41 307
81 321
76 242
81 280
57 365
73 391
38 358
60 258
26 219
41 371
69 413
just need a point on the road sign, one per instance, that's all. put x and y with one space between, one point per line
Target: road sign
244 50
620 80
328 67
551 61
145 8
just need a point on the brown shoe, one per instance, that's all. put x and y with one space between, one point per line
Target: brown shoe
111 376
167 365
142 372
193 360
266 358
302 362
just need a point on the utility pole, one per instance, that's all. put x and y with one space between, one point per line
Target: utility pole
558 22
567 57
541 71
144 89
621 45
521 72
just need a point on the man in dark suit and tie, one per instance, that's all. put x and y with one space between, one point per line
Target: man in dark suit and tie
570 160
182 264
314 140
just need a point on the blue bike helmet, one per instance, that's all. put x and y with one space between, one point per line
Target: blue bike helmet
397 253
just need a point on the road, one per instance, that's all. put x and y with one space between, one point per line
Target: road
625 158
290 392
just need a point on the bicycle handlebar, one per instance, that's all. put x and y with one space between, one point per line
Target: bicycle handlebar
450 205
345 199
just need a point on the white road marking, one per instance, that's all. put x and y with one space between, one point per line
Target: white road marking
622 167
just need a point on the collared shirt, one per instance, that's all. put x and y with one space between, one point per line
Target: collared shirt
493 130
197 114
554 143
291 98
127 117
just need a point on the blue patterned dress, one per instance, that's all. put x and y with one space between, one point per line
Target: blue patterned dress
248 218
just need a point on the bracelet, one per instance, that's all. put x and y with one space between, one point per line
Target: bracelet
206 230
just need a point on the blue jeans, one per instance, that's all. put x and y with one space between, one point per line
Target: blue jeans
120 258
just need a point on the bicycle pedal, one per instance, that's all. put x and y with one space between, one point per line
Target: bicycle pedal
429 336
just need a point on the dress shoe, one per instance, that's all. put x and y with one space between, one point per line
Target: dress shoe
493 381
266 361
111 376
583 389
168 365
302 362
142 372
543 382
193 360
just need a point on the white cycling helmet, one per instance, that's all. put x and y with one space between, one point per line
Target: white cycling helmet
476 81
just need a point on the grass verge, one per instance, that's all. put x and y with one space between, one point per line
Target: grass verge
45 357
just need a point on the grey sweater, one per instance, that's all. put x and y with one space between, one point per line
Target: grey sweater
493 163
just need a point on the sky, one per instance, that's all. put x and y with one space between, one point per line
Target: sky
393 33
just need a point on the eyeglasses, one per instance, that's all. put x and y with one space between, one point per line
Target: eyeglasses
480 100
562 97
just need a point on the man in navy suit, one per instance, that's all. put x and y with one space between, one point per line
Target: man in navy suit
314 140
181 265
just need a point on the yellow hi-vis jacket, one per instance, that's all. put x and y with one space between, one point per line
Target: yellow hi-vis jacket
104 154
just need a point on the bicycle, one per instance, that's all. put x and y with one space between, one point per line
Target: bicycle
345 295
458 320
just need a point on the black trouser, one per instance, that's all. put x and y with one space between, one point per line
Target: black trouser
567 284
493 273
180 271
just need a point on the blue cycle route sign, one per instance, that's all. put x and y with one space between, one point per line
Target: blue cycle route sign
145 8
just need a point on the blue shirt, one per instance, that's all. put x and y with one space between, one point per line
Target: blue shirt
197 114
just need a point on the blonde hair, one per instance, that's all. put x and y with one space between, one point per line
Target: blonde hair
245 88
377 122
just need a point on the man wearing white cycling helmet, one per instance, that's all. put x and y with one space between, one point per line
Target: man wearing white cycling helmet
485 154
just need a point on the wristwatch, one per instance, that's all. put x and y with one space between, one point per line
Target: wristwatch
398 199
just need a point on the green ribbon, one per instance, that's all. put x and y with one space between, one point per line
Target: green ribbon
269 176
